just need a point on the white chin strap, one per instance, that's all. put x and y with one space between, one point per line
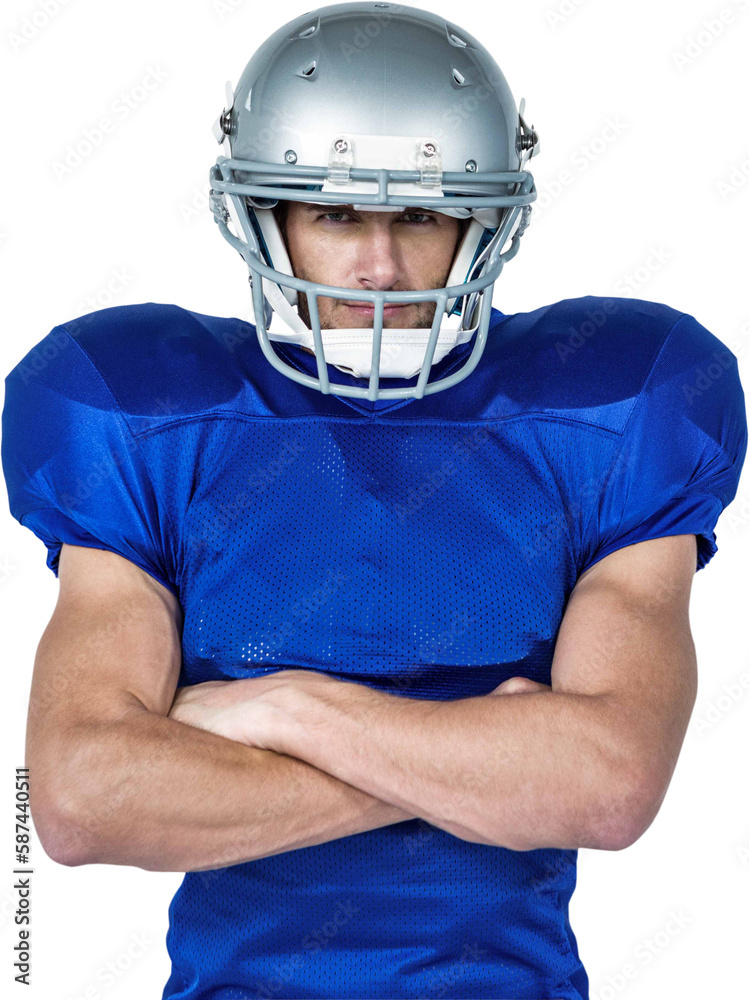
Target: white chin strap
402 351
350 350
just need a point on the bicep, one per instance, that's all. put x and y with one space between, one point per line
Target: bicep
111 646
625 637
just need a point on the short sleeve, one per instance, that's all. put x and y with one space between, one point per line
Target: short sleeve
72 465
681 453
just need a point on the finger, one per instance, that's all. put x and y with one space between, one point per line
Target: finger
519 685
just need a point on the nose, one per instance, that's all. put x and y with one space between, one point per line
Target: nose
377 265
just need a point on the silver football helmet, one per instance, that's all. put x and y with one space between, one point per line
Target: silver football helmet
379 107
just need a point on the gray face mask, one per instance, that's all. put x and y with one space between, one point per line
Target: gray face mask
305 124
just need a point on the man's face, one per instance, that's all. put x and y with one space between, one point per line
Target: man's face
406 250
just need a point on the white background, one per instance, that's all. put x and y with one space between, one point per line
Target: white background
130 224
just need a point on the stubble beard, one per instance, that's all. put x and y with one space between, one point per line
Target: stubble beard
333 313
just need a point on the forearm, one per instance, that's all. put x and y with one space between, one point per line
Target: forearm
523 771
148 791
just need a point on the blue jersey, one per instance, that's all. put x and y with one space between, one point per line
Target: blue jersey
427 548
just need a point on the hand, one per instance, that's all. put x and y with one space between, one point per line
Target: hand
256 711
216 706
245 709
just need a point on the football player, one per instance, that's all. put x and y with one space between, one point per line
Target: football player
373 611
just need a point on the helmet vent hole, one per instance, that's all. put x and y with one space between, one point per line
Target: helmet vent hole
308 31
309 69
458 77
456 39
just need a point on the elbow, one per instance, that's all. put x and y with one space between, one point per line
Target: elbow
66 847
627 818
63 837
616 836
67 852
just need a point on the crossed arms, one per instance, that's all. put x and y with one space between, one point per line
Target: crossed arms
124 772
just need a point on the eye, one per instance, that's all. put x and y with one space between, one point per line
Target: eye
328 215
403 218
423 215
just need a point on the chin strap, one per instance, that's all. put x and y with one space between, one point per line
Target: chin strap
286 312
402 351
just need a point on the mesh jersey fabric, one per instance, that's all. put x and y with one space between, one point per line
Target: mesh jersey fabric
424 547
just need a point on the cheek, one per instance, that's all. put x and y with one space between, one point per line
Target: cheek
323 257
430 251
434 256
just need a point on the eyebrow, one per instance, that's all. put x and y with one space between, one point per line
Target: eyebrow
308 207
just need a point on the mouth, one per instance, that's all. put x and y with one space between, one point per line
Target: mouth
387 310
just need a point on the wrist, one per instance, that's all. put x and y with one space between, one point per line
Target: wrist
324 714
303 697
